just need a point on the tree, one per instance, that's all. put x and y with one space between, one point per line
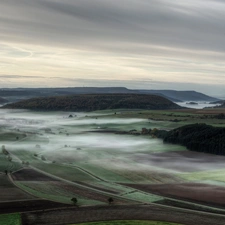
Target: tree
43 158
110 200
4 151
74 200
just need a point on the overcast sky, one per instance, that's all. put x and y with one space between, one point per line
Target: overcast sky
147 44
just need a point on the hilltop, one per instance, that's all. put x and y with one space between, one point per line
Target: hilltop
91 102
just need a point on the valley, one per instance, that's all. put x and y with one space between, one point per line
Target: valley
52 157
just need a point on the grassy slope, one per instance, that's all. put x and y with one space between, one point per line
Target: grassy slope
10 219
213 175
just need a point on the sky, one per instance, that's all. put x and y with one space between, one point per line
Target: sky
139 44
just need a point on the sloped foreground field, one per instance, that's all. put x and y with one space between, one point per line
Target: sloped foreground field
196 192
44 186
8 192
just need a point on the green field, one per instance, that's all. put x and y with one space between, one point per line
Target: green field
10 219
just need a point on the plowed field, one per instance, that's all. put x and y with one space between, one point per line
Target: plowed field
30 175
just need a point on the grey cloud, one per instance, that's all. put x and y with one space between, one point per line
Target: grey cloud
155 23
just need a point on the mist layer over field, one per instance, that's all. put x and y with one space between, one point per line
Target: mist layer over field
197 104
74 139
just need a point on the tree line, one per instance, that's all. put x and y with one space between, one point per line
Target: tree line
197 137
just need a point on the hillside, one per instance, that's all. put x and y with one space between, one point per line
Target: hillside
88 102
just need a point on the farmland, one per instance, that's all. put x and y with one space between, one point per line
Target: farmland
92 157
8 192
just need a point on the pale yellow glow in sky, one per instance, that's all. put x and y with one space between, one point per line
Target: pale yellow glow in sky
35 65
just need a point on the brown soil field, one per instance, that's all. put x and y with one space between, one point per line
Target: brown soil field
29 205
154 176
9 192
98 188
182 161
13 194
200 193
30 175
113 212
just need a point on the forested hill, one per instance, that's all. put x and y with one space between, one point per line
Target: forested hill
91 102
199 137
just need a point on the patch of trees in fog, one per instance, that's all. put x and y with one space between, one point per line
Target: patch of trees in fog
198 137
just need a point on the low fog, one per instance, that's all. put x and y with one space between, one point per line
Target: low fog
79 138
